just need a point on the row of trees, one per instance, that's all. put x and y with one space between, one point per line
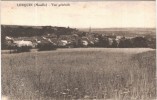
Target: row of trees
112 42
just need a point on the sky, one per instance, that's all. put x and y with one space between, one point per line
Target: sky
102 14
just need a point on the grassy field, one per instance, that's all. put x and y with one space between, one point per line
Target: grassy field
89 73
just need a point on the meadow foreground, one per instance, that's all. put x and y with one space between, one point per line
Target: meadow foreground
82 73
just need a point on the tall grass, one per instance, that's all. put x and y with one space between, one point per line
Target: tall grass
79 75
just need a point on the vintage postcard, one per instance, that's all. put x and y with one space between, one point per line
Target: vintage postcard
64 50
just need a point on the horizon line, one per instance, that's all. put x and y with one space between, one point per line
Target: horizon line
74 27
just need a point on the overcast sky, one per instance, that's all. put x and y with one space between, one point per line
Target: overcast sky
82 15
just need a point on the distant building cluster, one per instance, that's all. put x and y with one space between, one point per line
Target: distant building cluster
53 38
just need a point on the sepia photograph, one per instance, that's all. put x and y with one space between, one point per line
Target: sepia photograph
64 50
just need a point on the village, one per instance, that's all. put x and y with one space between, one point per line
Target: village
52 38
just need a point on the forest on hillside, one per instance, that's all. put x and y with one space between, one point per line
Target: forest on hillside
29 31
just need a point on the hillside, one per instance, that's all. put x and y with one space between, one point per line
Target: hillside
93 73
19 31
